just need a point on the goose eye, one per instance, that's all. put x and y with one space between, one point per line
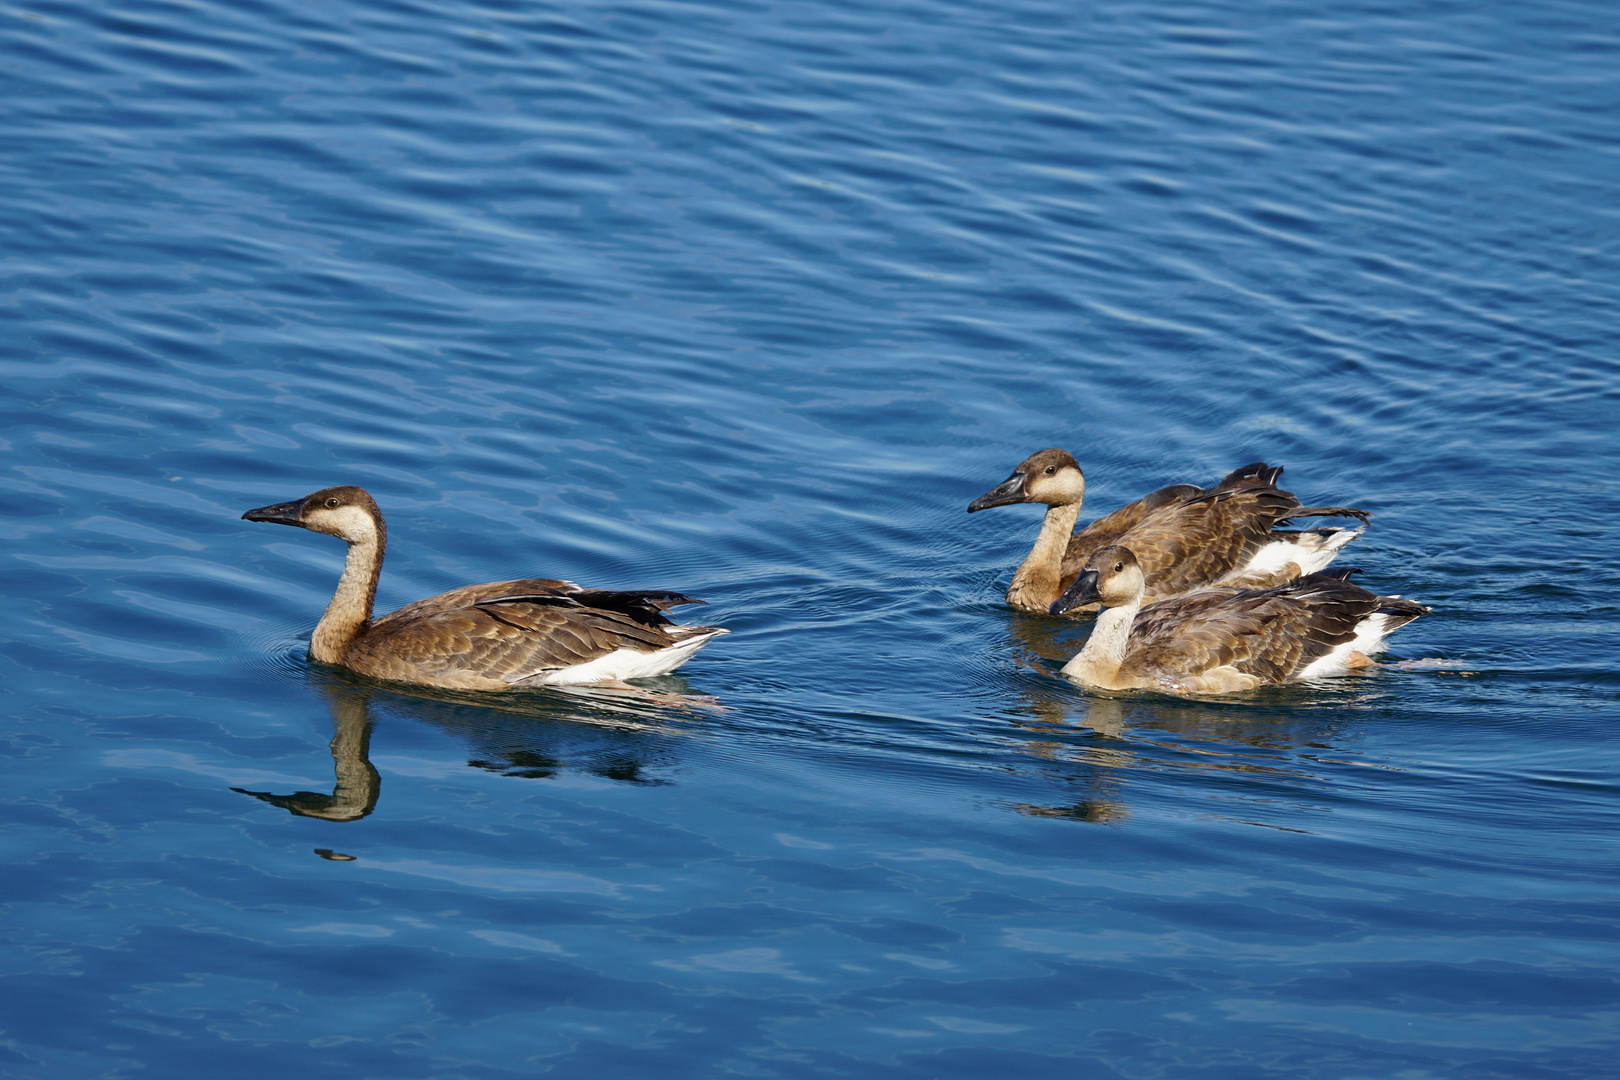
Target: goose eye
1050 469
1118 567
332 502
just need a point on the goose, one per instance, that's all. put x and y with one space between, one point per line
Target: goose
502 635
1185 536
1221 640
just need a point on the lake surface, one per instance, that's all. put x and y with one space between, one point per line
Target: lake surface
749 301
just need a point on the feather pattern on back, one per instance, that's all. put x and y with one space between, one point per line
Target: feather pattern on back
1268 633
1197 536
518 636
1217 640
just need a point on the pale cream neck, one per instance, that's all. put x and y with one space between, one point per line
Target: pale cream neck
1099 662
349 612
1037 582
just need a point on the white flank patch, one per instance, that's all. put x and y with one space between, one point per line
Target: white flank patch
1369 636
1310 550
627 664
1273 557
1370 633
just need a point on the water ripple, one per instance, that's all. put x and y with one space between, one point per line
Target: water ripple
749 302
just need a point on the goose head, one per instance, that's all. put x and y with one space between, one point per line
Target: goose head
347 512
1047 476
1111 578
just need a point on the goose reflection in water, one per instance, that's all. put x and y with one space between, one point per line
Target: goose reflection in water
1098 743
354 795
616 734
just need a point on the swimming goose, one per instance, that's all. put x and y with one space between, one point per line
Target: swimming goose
1185 536
498 636
1221 640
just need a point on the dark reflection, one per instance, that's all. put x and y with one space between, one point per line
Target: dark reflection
355 793
333 856
619 734
1053 641
1099 742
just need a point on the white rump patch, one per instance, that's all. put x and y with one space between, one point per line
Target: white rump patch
627 664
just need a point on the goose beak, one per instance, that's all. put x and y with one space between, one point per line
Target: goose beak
1009 491
1083 591
287 513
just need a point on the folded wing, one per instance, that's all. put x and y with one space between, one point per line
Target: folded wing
518 632
1191 537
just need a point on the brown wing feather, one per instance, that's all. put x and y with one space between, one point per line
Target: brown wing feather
468 595
503 643
1254 474
1195 538
1271 634
1106 530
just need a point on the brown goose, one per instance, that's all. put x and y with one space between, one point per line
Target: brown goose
1185 537
1220 640
503 635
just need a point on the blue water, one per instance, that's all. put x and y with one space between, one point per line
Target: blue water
749 301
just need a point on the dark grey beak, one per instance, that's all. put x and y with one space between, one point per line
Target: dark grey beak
1009 491
287 513
1083 591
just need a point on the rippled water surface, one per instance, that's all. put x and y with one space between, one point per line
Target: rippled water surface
749 300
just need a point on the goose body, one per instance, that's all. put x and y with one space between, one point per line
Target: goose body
1185 537
1220 640
501 635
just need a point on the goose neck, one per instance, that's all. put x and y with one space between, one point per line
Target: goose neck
1099 662
1036 582
349 613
